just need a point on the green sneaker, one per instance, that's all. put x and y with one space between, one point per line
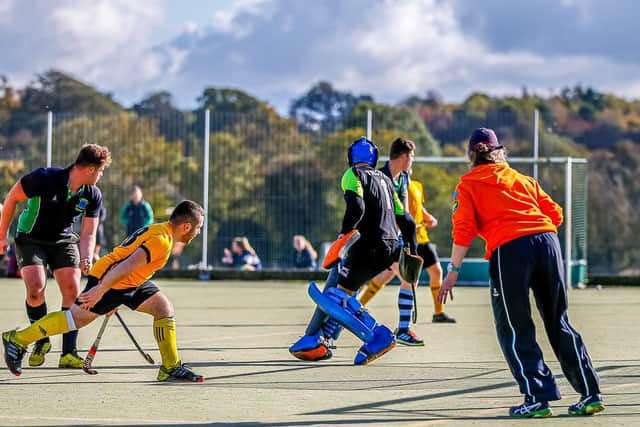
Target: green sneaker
587 406
180 373
13 352
71 361
529 409
40 348
409 338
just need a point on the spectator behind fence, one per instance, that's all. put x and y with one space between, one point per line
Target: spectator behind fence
242 255
304 256
137 212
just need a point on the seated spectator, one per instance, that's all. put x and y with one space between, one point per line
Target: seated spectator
304 256
242 256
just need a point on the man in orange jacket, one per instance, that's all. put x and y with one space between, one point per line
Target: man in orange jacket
519 221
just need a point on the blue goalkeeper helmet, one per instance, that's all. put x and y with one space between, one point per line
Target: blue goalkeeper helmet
363 151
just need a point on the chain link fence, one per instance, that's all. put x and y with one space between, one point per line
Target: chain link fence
270 178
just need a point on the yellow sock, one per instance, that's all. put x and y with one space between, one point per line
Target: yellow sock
51 324
373 287
435 289
164 331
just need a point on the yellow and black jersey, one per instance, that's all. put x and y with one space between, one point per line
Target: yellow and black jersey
156 240
416 201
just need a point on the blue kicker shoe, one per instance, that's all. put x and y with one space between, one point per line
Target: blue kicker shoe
587 405
311 348
529 409
383 341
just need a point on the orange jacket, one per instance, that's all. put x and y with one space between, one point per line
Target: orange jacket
500 204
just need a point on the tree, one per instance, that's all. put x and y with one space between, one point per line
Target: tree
400 121
173 123
323 108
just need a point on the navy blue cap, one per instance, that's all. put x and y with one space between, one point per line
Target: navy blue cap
483 140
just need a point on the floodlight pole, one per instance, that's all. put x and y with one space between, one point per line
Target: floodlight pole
205 195
369 122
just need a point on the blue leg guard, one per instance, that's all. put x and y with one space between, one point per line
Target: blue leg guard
347 310
319 316
383 341
333 303
319 321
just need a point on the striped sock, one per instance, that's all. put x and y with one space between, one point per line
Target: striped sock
405 307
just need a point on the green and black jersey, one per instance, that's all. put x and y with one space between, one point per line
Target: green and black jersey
52 206
375 218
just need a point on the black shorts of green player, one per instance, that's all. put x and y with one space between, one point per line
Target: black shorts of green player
61 253
114 298
49 215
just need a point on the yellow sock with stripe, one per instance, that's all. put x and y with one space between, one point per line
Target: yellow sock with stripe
51 324
435 289
164 331
373 287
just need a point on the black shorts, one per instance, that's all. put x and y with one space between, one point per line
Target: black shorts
428 253
55 255
365 260
113 298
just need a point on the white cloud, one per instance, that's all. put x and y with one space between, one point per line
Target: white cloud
103 41
277 49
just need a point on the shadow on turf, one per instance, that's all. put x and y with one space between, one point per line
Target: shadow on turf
380 420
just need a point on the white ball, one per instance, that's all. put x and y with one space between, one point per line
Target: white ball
598 287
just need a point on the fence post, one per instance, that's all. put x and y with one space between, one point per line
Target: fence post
568 222
536 142
205 196
49 136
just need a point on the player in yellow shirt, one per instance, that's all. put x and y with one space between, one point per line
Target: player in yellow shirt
122 277
427 250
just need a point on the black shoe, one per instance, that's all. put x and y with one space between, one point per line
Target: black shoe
13 352
442 318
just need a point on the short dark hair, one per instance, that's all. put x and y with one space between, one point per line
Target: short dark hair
401 146
186 211
93 155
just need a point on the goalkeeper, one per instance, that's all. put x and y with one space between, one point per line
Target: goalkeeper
374 210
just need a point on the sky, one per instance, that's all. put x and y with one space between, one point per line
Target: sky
277 49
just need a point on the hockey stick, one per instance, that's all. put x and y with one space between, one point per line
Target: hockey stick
86 366
146 356
414 316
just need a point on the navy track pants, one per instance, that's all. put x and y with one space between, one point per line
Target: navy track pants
534 263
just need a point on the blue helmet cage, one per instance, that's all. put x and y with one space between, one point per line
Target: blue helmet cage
363 151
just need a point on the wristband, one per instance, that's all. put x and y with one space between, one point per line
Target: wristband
453 268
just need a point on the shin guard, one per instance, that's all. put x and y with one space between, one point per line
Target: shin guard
319 319
347 310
